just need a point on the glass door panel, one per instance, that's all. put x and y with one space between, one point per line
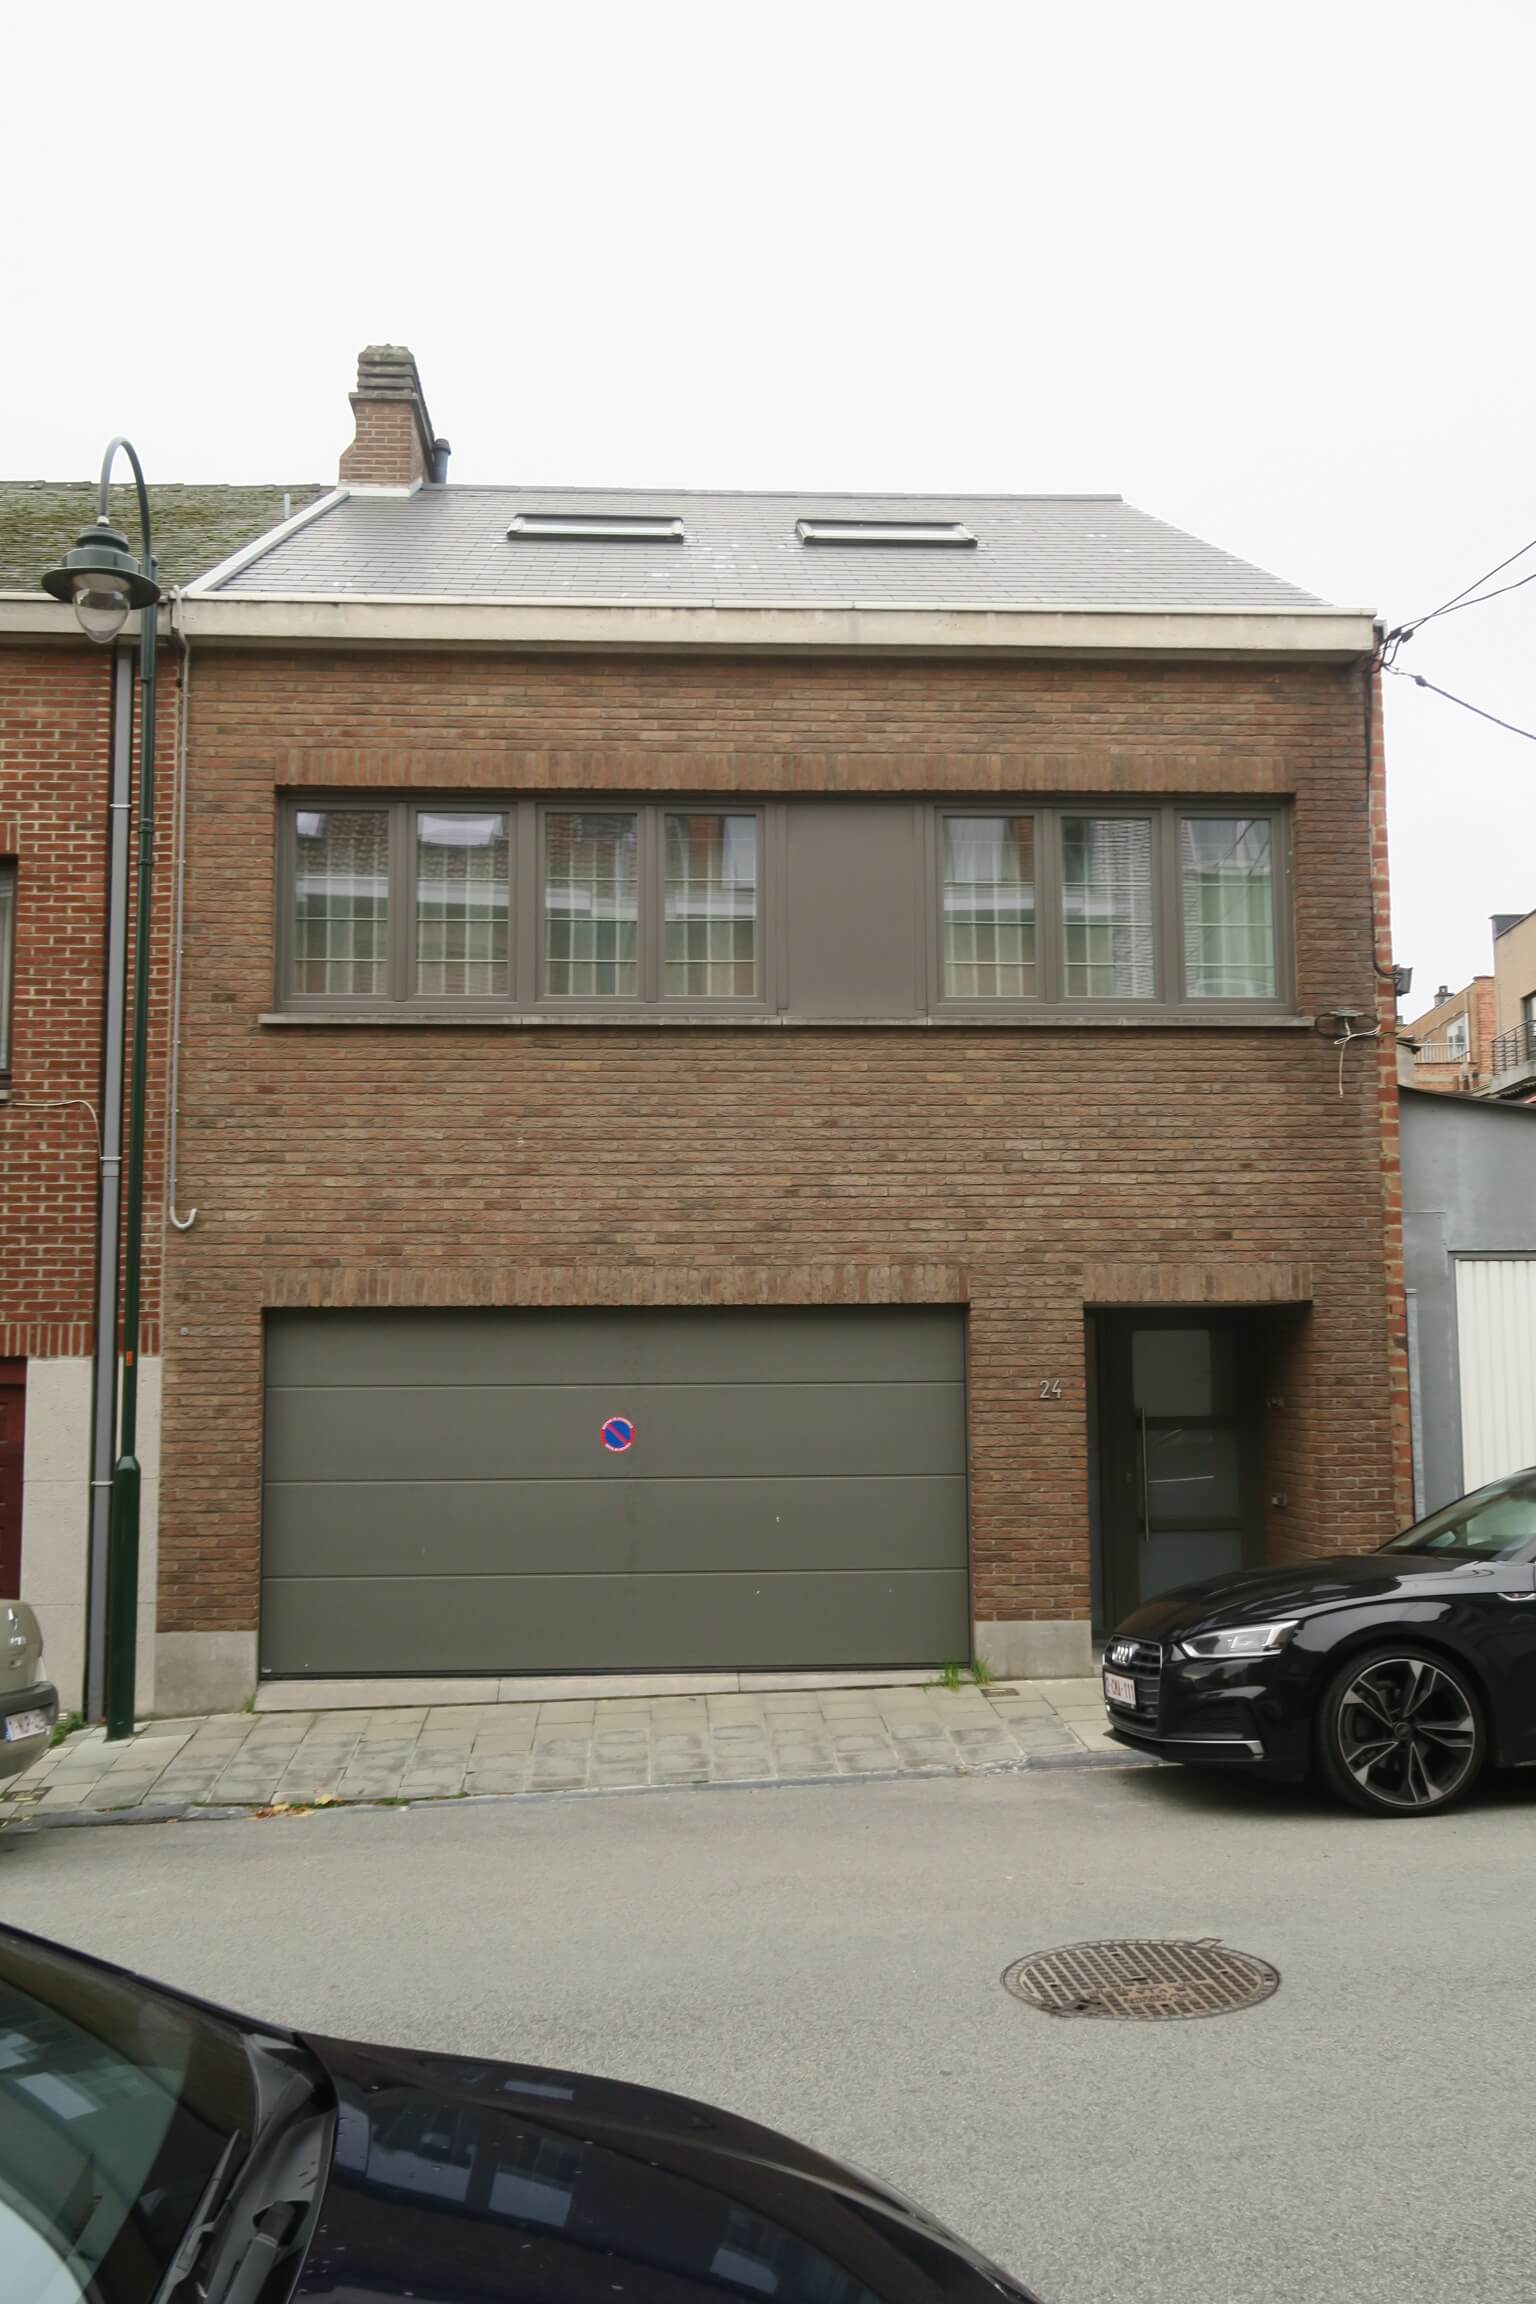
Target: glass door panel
1190 1450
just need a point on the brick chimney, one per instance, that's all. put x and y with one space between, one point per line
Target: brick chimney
394 446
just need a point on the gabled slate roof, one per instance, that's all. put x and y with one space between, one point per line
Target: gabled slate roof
743 551
195 526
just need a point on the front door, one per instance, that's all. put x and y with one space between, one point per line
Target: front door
1180 1471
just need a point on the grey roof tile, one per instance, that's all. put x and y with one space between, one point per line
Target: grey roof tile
451 543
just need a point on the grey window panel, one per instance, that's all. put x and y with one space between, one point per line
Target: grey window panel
611 1527
492 1624
751 1345
856 934
551 1432
438 1498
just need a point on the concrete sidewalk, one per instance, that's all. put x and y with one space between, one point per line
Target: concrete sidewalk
445 1752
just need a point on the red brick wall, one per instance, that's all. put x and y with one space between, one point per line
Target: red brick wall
54 791
1011 1170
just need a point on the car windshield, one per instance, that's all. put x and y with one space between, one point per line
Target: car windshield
1490 1524
116 2109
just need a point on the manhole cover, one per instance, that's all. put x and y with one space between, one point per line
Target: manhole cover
1142 1976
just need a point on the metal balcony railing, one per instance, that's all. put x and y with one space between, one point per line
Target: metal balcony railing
1512 1050
1441 1052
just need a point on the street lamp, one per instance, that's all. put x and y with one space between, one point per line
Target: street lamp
106 583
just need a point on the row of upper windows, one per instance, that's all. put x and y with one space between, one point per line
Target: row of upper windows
391 903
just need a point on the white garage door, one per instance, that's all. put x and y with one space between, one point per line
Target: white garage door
1496 1340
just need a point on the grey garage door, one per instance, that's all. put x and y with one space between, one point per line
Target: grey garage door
439 1498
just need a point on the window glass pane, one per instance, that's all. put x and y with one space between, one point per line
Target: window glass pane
989 907
461 906
1227 867
341 900
7 958
710 947
1106 898
591 906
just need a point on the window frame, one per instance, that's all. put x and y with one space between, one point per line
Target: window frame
1168 997
1278 817
524 996
525 990
718 1004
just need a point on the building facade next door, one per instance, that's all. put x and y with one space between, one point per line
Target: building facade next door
554 1491
1180 1452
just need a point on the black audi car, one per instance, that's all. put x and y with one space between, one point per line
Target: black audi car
156 2150
1400 1673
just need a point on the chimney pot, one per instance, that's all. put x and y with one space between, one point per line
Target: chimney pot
394 445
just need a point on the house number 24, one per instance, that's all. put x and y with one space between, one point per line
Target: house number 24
1050 1387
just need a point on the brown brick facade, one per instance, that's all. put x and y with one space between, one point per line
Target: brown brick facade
1026 1173
54 777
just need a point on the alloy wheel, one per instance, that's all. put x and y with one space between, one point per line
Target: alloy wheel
1406 1732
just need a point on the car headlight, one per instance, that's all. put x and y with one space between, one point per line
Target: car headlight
1241 1640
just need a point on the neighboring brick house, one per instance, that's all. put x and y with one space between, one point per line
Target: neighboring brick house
55 733
1514 978
750 1084
1451 1044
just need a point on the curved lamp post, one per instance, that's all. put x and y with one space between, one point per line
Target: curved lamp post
106 583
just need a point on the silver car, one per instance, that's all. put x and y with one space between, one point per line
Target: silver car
29 1707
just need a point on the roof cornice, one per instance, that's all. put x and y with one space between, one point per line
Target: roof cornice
853 630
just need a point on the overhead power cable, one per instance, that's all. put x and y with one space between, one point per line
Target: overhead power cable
1419 681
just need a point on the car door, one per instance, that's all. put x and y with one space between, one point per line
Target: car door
1510 1663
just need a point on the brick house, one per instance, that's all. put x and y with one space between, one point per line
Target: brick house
1514 982
1450 1044
750 1085
56 733
749 1082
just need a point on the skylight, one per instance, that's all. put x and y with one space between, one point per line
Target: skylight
930 532
596 528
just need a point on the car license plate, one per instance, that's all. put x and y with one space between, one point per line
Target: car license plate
23 1724
1119 1690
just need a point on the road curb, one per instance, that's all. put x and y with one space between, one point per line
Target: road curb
32 1817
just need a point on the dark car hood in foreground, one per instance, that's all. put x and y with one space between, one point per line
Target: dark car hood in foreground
1256 1595
456 2180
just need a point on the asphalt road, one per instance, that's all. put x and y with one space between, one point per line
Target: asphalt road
828 1960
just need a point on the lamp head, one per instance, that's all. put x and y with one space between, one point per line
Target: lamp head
105 582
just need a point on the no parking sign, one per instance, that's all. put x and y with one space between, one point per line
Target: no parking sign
618 1435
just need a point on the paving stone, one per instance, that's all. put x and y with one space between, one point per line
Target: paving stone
804 1759
1042 1735
510 1778
735 1708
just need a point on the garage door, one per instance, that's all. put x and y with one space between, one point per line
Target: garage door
440 1498
1496 1346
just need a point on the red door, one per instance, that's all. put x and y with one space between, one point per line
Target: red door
13 1416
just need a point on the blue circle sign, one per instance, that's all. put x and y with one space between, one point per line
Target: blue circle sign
617 1435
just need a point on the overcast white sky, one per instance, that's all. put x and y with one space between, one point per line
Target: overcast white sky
1264 271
